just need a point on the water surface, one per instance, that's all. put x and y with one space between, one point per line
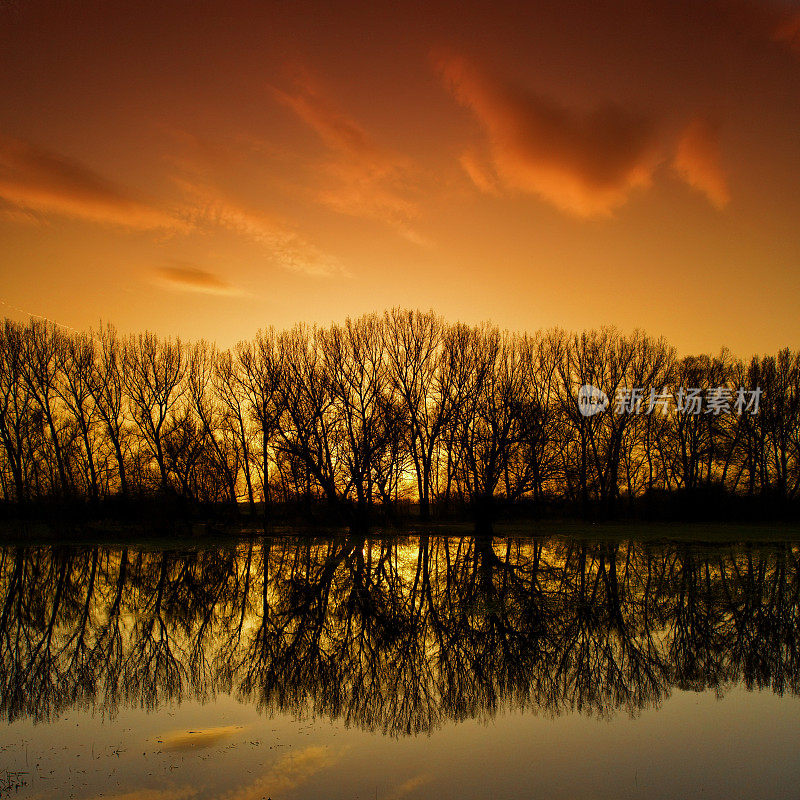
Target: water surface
420 667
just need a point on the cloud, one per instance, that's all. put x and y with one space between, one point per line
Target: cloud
179 793
765 21
20 216
177 741
187 278
335 129
37 181
583 162
697 161
479 172
365 180
287 249
287 773
787 32
408 787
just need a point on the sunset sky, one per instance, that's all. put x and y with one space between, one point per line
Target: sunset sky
209 168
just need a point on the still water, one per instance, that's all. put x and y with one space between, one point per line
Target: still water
400 667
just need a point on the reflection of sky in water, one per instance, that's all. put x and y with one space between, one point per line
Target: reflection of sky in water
176 741
743 746
386 625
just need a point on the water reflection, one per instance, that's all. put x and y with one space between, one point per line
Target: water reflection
397 635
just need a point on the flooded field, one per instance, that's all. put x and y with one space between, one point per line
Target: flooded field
419 667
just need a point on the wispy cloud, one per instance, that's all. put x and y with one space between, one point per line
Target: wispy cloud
287 773
179 793
583 162
479 172
36 181
698 162
409 787
207 206
364 179
338 131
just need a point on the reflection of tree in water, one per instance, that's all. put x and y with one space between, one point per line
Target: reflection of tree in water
395 634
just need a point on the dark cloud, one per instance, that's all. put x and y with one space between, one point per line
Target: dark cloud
192 279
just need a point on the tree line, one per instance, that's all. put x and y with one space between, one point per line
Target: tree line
394 634
384 411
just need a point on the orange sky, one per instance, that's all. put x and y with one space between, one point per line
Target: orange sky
208 168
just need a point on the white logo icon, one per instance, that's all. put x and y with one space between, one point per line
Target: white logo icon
591 400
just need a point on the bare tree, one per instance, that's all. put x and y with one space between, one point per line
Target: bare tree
154 382
258 373
75 391
383 409
16 402
200 373
307 430
107 387
230 389
414 344
42 349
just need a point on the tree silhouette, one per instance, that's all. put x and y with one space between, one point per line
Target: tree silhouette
383 410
